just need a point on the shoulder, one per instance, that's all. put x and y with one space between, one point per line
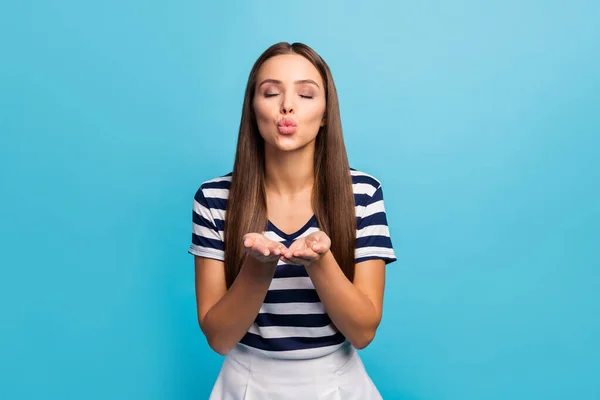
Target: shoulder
217 187
364 183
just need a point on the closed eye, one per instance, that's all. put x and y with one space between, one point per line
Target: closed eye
277 94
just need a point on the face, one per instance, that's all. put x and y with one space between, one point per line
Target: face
289 102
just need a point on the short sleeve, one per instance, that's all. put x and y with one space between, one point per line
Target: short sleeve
373 239
207 232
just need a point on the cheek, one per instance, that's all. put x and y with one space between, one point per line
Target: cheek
315 112
264 116
263 113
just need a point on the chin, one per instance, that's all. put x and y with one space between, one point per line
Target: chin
287 143
290 144
287 147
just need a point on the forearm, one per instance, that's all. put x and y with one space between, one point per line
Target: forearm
352 312
230 318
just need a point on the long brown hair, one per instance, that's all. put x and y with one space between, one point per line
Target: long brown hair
333 197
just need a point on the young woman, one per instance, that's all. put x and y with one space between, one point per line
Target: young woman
290 248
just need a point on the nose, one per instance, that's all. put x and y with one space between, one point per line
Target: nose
287 106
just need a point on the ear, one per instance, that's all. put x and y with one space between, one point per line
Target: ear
323 121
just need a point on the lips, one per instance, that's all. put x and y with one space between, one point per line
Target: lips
286 126
287 122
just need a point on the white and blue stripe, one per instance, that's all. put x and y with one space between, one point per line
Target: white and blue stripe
292 322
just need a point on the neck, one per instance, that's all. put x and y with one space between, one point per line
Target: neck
289 173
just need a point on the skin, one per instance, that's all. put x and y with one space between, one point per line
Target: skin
288 86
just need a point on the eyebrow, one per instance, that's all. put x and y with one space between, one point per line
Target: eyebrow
300 82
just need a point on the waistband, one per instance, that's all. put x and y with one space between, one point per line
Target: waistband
259 361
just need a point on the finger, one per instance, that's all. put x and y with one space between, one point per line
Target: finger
306 254
292 260
301 260
278 249
274 250
291 254
261 249
298 261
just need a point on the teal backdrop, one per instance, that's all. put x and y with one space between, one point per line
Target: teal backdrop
481 119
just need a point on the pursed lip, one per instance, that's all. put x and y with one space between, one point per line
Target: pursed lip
286 122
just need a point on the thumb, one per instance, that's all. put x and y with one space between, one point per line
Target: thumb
248 242
313 238
320 246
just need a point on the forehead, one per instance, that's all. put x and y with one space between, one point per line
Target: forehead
289 68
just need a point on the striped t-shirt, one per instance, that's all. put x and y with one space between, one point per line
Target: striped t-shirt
292 322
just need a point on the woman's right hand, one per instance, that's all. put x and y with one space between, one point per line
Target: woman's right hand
261 248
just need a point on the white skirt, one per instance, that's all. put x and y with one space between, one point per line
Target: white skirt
249 375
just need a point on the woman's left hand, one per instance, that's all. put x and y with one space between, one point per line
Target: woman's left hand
306 250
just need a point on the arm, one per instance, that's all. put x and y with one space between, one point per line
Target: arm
226 315
354 308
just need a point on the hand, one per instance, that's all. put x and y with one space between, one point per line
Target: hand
261 248
307 250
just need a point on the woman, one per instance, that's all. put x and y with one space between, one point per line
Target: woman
290 248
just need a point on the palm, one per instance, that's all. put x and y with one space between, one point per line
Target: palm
308 249
300 244
318 238
261 239
262 248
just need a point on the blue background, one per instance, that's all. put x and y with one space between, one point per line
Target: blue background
481 120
